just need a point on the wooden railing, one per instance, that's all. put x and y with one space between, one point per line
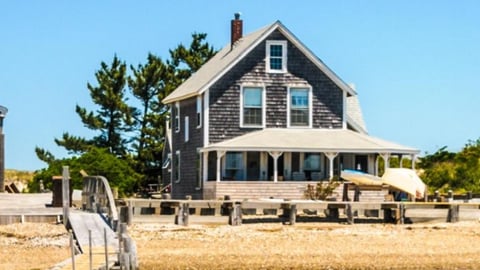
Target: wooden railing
98 197
288 210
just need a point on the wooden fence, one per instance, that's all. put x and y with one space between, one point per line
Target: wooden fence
288 212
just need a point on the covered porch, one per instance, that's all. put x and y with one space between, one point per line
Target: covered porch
291 159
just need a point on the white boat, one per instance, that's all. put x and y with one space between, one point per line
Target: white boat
360 178
399 179
405 180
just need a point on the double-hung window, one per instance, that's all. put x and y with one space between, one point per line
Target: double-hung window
234 165
300 108
199 169
252 107
276 56
311 162
199 111
176 164
176 113
186 130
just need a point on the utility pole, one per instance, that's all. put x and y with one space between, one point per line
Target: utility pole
3 112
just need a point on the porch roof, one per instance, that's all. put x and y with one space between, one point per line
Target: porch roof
309 140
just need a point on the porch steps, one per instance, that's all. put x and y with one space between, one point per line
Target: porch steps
280 190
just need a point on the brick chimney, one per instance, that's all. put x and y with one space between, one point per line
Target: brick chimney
237 29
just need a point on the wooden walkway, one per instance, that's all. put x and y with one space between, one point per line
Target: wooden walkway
26 207
91 230
83 222
82 261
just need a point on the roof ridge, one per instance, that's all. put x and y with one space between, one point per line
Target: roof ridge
219 64
227 57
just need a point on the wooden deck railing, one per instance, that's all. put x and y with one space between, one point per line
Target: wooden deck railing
98 197
289 210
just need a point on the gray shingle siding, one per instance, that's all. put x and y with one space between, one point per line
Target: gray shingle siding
224 107
224 110
188 152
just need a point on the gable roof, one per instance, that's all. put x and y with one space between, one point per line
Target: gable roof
226 58
310 140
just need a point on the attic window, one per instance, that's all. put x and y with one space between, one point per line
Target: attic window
276 56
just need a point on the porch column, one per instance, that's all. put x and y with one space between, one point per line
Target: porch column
386 160
376 165
220 154
331 156
413 157
275 155
401 161
205 166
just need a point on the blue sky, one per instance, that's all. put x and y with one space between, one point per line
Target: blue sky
415 64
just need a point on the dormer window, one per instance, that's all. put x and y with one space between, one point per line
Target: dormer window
276 56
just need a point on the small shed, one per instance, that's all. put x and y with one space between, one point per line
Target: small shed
57 191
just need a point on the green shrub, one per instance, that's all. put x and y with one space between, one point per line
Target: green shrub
321 190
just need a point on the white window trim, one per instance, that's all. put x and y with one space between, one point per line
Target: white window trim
283 43
264 105
187 135
178 171
199 173
206 119
199 111
176 120
310 109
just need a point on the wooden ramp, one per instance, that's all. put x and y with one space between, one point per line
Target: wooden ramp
82 261
82 223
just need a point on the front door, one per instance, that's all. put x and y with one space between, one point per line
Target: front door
361 163
253 165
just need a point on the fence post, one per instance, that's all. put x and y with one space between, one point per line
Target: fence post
293 214
349 212
106 247
72 249
129 213
400 214
65 194
126 213
453 212
450 195
90 257
469 196
289 213
182 217
235 215
356 196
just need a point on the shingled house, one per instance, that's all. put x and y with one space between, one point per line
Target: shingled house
263 118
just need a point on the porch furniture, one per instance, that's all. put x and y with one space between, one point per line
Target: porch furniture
298 176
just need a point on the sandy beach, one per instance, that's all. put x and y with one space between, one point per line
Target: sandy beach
265 246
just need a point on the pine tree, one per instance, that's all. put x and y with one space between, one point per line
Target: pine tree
135 135
146 84
185 61
113 119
